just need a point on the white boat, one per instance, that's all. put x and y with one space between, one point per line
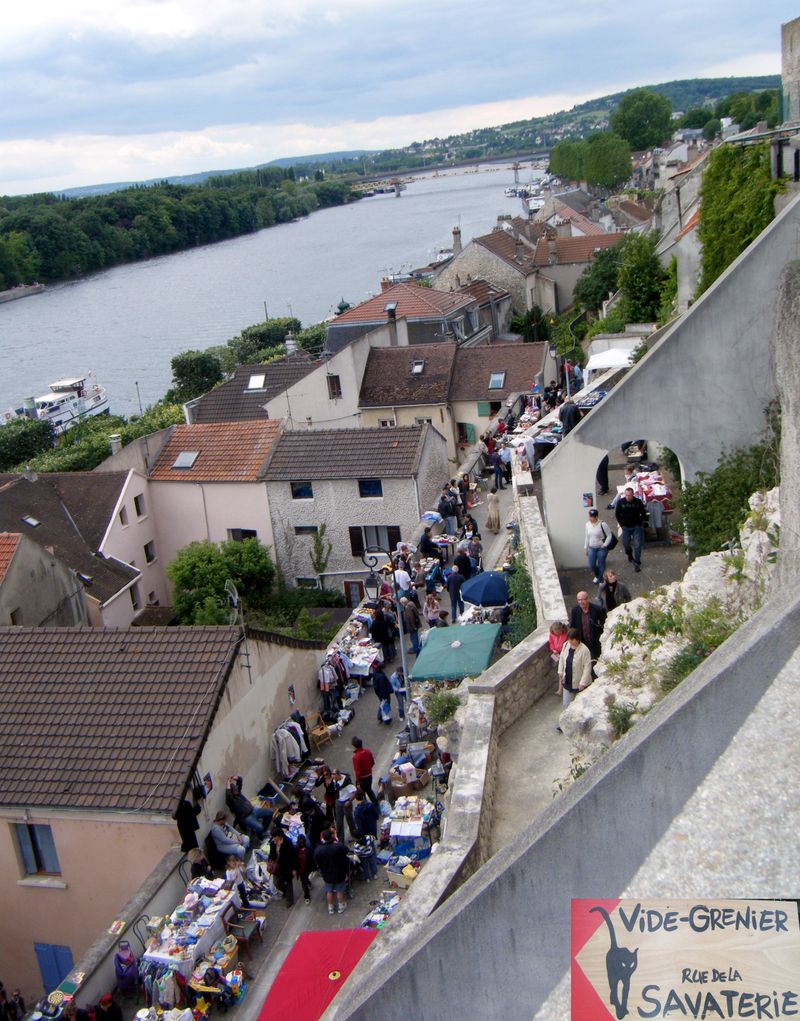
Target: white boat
67 402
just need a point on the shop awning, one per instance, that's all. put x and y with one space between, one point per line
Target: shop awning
313 973
451 653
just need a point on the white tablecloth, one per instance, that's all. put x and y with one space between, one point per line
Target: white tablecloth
185 964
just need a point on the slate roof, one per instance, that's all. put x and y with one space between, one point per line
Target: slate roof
453 374
572 250
346 454
8 547
73 510
474 365
107 718
226 452
576 199
234 402
388 379
413 302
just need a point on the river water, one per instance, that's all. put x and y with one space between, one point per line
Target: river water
126 323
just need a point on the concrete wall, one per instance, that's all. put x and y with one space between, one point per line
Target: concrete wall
786 347
40 590
790 70
125 541
717 354
474 262
510 922
104 859
558 280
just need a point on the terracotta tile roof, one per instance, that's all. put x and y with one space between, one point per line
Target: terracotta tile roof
573 250
690 224
73 510
474 366
482 291
506 247
413 302
8 547
226 452
107 718
346 454
388 379
578 220
638 212
235 402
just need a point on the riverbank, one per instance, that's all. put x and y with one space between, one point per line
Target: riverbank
21 291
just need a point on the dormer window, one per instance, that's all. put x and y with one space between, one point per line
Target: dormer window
256 382
418 367
497 380
185 460
29 519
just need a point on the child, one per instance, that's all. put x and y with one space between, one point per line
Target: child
235 876
558 635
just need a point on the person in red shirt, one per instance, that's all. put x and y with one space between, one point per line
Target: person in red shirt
363 764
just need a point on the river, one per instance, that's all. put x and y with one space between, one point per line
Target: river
126 323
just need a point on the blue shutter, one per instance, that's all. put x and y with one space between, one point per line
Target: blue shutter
55 963
43 837
26 848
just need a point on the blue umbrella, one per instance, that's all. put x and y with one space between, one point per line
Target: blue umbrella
486 589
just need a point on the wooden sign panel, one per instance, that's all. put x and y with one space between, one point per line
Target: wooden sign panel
685 959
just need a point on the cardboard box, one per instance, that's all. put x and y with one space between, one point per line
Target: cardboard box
398 788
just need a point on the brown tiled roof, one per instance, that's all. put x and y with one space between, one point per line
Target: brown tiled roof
530 229
572 250
474 365
638 212
73 510
226 452
8 546
583 223
413 302
690 224
107 718
234 402
482 291
346 454
505 246
388 379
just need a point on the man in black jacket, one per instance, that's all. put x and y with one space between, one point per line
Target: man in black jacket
568 415
631 514
589 619
330 860
245 814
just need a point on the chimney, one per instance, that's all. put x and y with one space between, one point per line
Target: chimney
552 253
115 443
291 343
564 229
386 283
391 318
456 240
519 249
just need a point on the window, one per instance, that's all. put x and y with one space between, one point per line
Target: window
55 963
484 409
37 849
386 423
364 536
497 380
185 460
305 529
370 488
423 421
307 582
256 382
238 534
466 433
334 388
29 519
418 367
136 599
150 551
139 506
152 599
123 516
302 490
15 617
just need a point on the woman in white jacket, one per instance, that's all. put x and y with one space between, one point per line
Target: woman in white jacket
574 667
598 537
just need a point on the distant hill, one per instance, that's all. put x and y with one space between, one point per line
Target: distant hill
519 138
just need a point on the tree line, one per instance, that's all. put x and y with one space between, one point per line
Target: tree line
48 237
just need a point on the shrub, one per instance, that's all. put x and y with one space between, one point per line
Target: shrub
441 705
620 715
520 590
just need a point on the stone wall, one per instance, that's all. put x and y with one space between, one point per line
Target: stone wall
790 70
477 263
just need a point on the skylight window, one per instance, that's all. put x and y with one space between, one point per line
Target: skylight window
29 519
417 367
186 459
257 382
497 380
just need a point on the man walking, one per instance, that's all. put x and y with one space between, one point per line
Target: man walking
447 510
383 692
631 513
588 619
412 622
398 683
454 583
363 764
330 859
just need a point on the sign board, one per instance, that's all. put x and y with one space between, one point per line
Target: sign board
685 959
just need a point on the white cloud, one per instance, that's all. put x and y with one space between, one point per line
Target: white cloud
747 64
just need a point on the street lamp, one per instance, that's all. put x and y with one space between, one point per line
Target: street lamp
372 585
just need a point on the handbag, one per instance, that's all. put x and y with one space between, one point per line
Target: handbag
614 540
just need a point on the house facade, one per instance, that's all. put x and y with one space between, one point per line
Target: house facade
367 487
36 589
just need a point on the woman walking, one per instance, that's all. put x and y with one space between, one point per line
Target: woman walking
597 539
493 519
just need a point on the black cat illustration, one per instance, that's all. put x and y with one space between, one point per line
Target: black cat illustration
620 965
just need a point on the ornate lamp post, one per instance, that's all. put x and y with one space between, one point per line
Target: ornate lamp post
372 585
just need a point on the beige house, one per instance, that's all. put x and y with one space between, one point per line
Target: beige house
35 588
105 734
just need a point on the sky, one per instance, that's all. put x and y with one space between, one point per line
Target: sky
95 91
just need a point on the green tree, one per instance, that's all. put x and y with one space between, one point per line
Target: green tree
607 160
599 279
254 340
736 203
643 118
193 373
320 553
200 570
641 277
712 128
697 117
312 338
22 439
566 160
